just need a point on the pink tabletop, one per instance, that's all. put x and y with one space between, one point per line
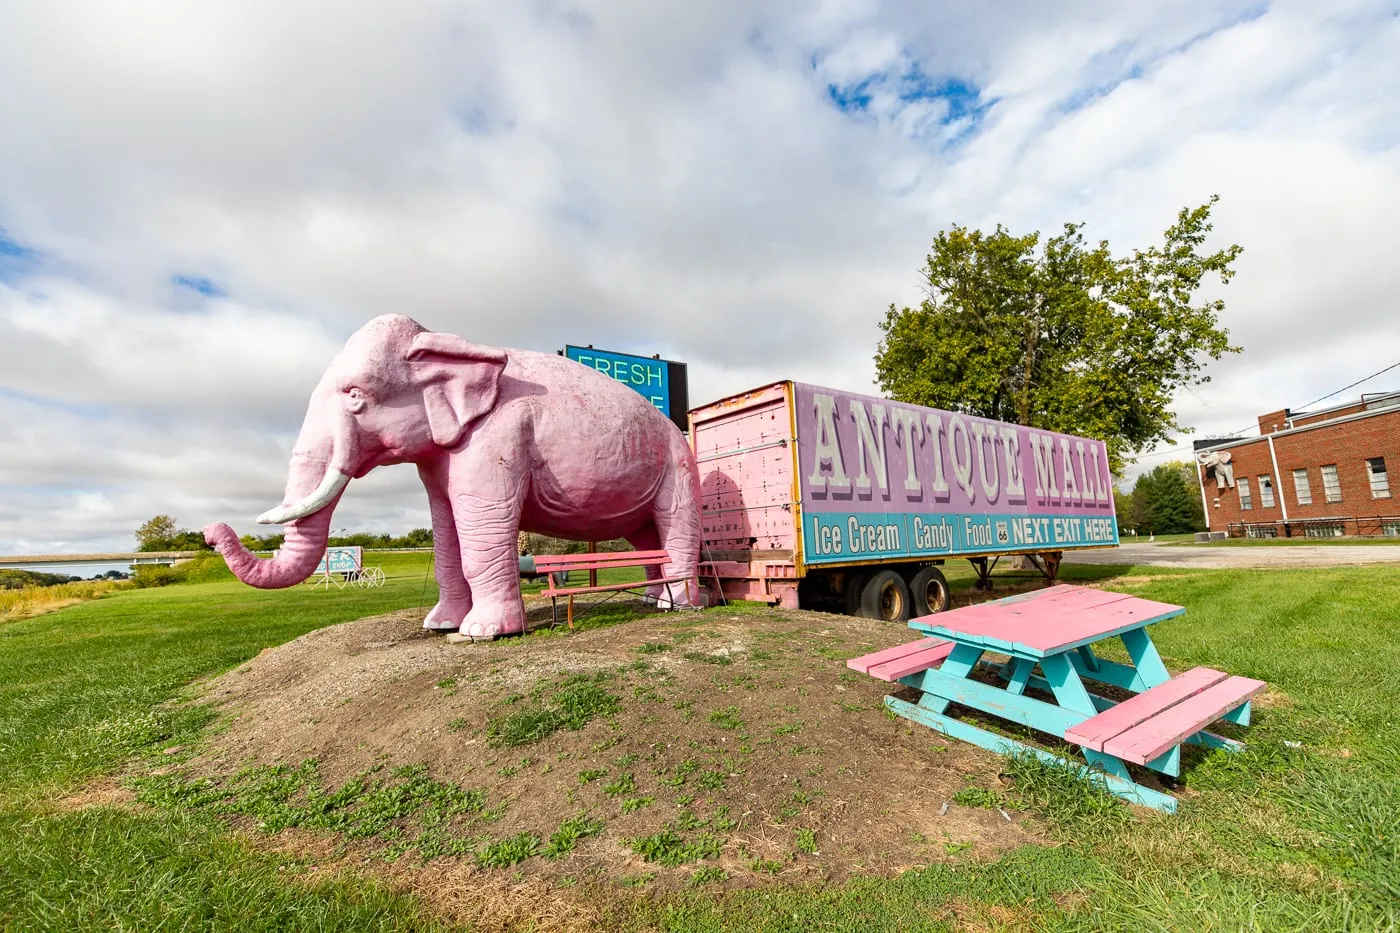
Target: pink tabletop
1046 622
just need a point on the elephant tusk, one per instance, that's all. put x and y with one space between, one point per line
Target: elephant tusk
330 487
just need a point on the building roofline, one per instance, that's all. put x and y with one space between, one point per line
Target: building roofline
1240 442
1364 400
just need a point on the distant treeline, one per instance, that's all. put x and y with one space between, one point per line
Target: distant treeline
162 534
20 579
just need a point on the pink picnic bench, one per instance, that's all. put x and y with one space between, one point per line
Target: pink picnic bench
556 567
1052 631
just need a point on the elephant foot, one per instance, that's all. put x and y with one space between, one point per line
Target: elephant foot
447 616
671 596
487 621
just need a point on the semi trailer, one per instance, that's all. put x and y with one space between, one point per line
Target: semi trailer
822 499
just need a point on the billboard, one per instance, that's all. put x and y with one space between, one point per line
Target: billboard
882 479
661 382
340 560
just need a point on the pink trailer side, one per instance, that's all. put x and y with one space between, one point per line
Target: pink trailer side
853 502
745 449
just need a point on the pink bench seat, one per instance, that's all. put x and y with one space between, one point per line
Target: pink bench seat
903 660
1143 727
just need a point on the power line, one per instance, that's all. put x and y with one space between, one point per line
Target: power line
1174 450
1353 385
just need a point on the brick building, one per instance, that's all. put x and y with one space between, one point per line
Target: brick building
1312 474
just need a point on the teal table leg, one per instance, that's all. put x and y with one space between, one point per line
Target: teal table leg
1238 715
1211 740
1020 675
958 664
1065 684
1117 784
1145 657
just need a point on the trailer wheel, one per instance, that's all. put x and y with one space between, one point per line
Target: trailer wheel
885 596
929 589
855 586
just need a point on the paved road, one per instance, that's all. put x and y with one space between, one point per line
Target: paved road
1225 558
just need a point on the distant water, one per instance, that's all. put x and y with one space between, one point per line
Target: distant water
82 569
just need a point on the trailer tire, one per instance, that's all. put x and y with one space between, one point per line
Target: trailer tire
855 586
885 596
929 590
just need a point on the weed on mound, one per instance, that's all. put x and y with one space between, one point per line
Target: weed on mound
570 703
401 810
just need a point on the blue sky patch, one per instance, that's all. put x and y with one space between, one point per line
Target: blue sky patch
16 259
1117 62
12 248
198 283
962 97
852 97
83 409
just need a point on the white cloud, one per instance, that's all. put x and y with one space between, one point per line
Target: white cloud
660 178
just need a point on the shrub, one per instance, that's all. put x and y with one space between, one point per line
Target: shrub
205 568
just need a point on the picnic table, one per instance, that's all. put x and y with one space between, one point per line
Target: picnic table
1044 640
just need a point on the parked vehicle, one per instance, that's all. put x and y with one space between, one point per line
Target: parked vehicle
818 498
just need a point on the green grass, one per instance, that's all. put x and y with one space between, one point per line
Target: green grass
1288 542
405 810
81 689
565 703
102 869
562 842
1300 832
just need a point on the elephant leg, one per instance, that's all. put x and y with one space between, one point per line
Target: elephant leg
454 595
487 495
677 518
646 538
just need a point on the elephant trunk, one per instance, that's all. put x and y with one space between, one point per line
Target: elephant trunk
315 483
300 553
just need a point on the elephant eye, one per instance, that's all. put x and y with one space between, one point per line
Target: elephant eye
355 399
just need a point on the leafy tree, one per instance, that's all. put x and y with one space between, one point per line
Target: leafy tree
156 534
1123 509
1165 502
1061 335
418 537
263 542
161 534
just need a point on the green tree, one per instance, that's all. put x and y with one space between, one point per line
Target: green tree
263 542
156 534
161 534
1061 335
1164 503
418 537
1123 509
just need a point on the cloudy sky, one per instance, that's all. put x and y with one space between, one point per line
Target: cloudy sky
199 202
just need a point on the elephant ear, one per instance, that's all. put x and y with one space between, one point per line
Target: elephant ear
460 380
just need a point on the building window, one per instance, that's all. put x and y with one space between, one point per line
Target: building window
1245 501
1261 531
1302 487
1266 492
1324 530
1390 529
1380 482
1331 484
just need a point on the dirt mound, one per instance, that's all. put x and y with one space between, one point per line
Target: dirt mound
731 747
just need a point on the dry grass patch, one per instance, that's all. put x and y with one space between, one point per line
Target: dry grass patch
30 601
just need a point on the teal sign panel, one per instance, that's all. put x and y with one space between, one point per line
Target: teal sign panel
661 382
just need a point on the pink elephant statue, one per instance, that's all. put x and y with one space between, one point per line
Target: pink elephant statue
504 441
